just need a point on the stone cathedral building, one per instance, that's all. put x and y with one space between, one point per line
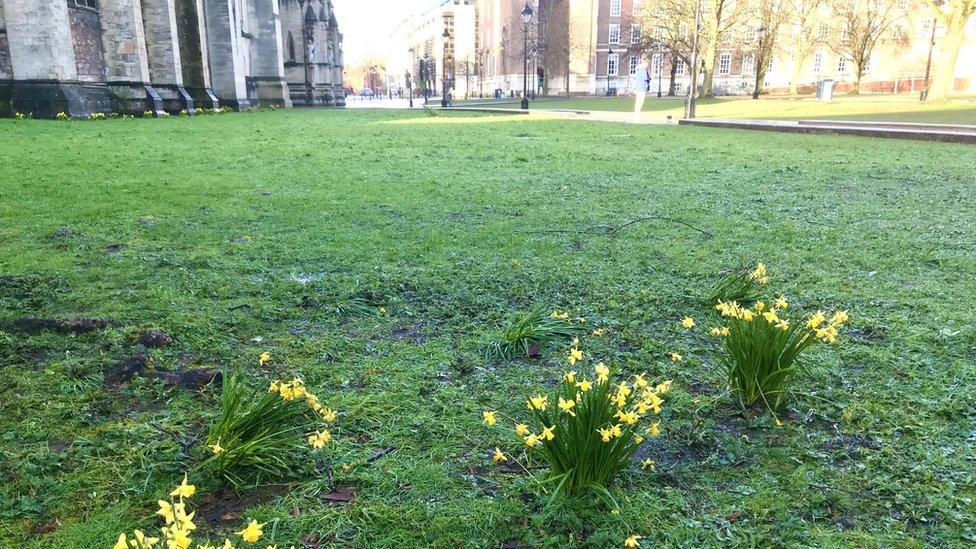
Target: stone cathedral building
131 56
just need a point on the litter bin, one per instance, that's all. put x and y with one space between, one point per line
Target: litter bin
825 90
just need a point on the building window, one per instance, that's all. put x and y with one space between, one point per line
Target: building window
614 34
634 63
679 67
90 4
818 62
927 27
903 4
769 66
824 29
748 63
613 62
656 64
638 4
842 65
725 64
635 34
898 31
615 8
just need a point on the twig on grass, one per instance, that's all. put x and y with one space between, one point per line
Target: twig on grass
608 229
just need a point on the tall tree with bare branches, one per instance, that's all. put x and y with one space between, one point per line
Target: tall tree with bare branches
954 15
860 25
803 20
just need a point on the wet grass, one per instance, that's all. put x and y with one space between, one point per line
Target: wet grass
235 234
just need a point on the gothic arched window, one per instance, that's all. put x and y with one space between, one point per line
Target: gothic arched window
89 4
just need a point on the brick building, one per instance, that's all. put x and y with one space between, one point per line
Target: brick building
445 35
131 56
582 47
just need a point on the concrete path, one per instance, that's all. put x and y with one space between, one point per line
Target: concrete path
891 130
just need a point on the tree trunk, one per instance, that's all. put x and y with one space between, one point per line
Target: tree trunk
674 73
943 80
708 58
760 76
856 86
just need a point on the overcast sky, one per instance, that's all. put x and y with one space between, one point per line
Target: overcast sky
366 24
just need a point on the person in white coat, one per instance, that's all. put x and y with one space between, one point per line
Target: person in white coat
641 84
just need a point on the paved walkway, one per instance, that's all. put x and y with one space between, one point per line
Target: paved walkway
891 130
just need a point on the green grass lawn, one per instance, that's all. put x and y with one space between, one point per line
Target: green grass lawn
233 234
900 108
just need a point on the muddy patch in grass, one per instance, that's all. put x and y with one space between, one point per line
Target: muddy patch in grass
74 325
227 508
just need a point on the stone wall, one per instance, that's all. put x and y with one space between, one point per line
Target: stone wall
86 37
191 51
6 66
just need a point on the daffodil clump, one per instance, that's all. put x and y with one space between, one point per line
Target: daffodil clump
178 526
762 344
62 116
530 332
588 429
744 285
263 434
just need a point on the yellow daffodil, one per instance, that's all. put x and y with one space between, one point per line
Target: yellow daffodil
176 538
648 464
489 418
639 381
499 457
638 439
655 429
616 431
599 332
143 540
184 490
781 303
688 322
328 414
166 511
675 357
540 402
121 543
839 318
252 533
264 359
228 544
217 448
632 541
382 311
320 438
602 372
606 435
584 385
569 377
783 324
575 355
747 315
273 388
771 316
816 320
567 406
531 440
548 433
778 422
521 429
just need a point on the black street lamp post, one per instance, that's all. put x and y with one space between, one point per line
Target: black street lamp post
409 87
526 17
445 85
609 54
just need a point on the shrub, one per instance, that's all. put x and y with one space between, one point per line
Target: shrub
585 431
762 345
178 529
742 285
262 434
534 328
